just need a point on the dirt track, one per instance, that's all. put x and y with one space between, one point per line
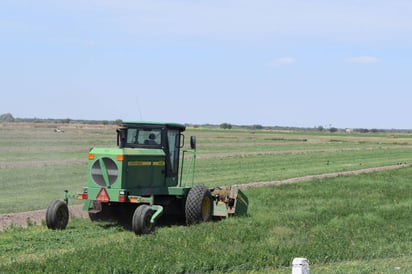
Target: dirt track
34 217
37 216
321 176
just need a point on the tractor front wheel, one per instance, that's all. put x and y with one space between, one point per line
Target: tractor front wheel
57 215
141 220
199 205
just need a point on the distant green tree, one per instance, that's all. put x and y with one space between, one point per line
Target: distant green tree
362 130
333 129
226 126
257 127
7 117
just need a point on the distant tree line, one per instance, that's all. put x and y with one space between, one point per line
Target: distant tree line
358 130
317 128
226 126
8 117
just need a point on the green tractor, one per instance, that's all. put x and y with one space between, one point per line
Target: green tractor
148 175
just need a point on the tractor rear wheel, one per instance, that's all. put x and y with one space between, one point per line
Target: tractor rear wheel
199 205
57 215
141 220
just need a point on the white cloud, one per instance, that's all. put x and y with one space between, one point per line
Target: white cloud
363 59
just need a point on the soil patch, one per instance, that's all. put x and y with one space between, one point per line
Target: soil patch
36 217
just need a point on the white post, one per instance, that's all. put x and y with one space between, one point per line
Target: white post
300 266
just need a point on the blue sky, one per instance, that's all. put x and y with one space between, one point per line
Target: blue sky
288 63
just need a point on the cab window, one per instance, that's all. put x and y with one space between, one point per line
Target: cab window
173 139
140 137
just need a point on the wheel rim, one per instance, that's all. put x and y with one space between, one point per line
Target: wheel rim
205 208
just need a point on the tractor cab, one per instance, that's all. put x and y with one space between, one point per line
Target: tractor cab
149 135
166 137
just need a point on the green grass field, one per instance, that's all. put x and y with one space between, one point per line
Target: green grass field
37 164
358 224
354 224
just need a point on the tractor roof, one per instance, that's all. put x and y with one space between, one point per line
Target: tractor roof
155 124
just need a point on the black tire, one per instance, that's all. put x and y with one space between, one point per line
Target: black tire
141 220
199 205
49 213
57 215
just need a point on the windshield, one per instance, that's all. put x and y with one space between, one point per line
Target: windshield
143 137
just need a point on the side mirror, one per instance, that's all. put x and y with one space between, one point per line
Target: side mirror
193 142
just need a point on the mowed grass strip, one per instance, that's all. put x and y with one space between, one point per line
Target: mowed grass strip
356 224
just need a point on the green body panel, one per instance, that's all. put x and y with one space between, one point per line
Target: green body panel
178 191
141 172
242 203
144 171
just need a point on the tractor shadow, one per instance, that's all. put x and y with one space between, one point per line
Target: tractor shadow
115 215
124 221
162 222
